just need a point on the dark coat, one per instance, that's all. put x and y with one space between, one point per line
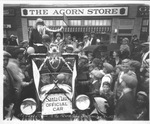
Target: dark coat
125 107
93 42
35 37
94 88
113 63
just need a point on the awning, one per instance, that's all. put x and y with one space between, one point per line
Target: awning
96 29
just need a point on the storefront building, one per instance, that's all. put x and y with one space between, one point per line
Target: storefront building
109 22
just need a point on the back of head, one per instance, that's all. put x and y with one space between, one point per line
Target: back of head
130 80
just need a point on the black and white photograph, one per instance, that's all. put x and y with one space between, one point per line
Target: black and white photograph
75 61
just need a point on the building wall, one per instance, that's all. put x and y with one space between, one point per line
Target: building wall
19 24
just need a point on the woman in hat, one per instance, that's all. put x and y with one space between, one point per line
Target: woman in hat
116 58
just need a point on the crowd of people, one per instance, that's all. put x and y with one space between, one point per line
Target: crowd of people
120 76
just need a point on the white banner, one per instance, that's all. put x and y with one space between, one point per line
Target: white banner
94 11
56 104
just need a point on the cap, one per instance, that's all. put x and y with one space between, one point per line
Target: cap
25 41
126 61
86 36
12 36
108 67
83 57
70 46
97 74
131 81
20 50
39 21
126 39
135 64
58 35
5 53
142 93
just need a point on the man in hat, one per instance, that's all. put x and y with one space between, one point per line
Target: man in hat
13 40
69 48
86 41
125 107
9 93
93 40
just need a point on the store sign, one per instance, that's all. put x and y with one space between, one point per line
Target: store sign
9 12
97 11
56 104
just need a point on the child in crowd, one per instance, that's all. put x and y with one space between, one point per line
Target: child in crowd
141 107
109 96
107 69
95 83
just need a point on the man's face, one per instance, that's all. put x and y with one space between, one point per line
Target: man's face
40 28
106 88
13 38
69 37
125 67
58 38
5 60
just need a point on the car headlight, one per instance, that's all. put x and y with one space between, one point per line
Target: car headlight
82 102
28 106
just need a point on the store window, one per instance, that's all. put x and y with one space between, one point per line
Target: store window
97 23
144 30
60 23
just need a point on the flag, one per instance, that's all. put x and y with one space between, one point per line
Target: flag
65 19
74 74
36 76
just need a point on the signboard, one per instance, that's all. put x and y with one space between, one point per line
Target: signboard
143 11
56 104
9 12
94 11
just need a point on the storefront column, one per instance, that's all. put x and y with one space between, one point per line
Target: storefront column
114 31
24 28
137 26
